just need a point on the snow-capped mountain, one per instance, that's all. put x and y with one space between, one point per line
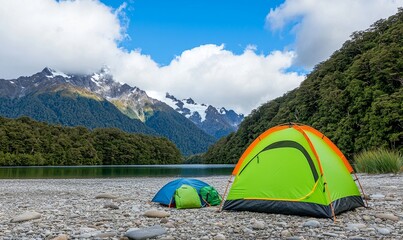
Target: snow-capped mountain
97 100
217 122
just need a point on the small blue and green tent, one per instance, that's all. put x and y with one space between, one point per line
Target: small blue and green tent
166 195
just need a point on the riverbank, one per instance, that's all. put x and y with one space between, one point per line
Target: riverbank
108 208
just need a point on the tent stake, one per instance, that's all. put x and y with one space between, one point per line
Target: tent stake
225 194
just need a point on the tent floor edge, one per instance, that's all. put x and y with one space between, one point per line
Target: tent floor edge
279 207
347 203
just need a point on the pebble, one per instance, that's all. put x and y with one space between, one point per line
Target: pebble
387 216
355 226
61 237
106 195
144 233
258 225
383 231
219 236
26 217
156 214
285 233
330 234
311 223
69 209
111 206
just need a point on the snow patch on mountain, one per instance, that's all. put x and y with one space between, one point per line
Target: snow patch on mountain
187 107
217 122
53 73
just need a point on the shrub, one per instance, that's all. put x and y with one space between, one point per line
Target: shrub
379 161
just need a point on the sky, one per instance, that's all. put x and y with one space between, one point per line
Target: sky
236 54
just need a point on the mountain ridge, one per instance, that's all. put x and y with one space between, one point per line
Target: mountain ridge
44 97
216 122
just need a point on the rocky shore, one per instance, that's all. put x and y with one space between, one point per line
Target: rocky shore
111 208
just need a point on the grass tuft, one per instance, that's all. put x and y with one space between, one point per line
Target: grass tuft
379 161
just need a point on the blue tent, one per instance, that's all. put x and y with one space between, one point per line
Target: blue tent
165 194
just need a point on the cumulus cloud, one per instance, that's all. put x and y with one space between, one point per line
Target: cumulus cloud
321 27
216 76
73 36
82 36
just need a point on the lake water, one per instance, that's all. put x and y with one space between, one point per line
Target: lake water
116 171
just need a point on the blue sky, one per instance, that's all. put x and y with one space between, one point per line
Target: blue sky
164 29
235 54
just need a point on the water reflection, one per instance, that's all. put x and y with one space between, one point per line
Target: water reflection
194 170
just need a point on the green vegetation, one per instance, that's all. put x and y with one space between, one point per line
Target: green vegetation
186 135
26 142
379 161
355 98
69 107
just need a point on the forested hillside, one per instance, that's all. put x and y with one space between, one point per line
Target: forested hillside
26 142
68 108
355 97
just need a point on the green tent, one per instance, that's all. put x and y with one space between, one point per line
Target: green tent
293 169
187 197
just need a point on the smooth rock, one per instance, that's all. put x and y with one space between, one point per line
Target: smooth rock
330 234
383 231
311 223
144 233
355 226
111 206
377 196
106 235
106 195
258 225
26 217
358 238
366 218
387 216
285 233
61 237
219 236
156 214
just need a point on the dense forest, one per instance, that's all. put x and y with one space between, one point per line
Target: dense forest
24 142
70 106
355 98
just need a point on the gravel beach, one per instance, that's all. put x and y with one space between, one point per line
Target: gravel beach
109 208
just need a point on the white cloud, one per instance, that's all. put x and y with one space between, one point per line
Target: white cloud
73 36
210 74
81 36
321 27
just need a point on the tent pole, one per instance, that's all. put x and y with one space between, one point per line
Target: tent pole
362 190
225 193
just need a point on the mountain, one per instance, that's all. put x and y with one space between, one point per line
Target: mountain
215 122
95 101
355 98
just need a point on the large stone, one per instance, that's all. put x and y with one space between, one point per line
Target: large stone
387 216
355 226
106 195
156 214
145 233
219 236
311 223
61 237
383 231
26 217
258 225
